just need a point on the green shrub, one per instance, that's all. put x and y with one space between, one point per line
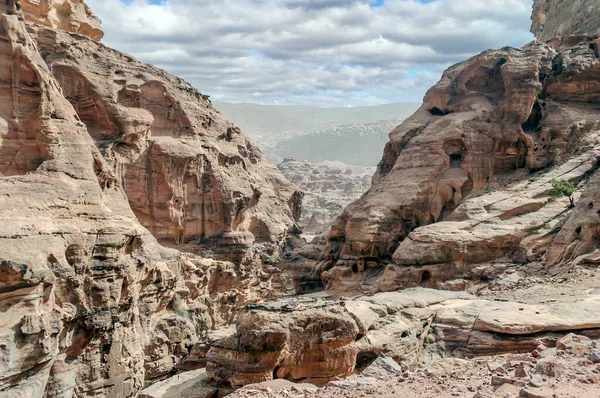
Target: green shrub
564 188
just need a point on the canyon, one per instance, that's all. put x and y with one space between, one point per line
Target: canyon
148 248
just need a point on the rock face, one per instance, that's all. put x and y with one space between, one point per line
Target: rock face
329 187
189 175
92 305
503 116
557 18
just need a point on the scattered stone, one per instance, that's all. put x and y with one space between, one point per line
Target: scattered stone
499 380
382 368
536 380
579 345
595 356
534 393
520 371
550 366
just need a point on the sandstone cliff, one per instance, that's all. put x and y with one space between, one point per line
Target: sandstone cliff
189 174
503 116
92 305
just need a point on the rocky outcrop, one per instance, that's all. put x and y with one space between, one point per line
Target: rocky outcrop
317 340
557 18
497 118
92 305
72 16
190 175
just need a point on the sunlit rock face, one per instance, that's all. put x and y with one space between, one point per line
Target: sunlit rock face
72 16
189 174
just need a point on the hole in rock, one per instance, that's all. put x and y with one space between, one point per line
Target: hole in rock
404 335
578 230
355 268
591 205
364 359
488 81
456 159
425 277
435 111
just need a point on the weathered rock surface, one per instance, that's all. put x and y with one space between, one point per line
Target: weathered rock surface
68 15
558 18
189 175
193 384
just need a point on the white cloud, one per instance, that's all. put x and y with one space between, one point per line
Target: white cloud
322 52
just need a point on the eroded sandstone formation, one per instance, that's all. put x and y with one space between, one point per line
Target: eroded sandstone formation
189 175
68 15
92 305
503 116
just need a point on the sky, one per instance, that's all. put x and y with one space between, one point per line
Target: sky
326 53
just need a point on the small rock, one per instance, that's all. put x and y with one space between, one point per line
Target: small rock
382 367
536 380
531 393
494 367
594 356
550 366
538 351
576 344
499 380
520 371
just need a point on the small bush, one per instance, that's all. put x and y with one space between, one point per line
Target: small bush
564 188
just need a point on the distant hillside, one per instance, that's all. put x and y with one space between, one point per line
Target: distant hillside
355 136
355 144
268 123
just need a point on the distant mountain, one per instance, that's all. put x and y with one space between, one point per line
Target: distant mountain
272 121
355 144
355 136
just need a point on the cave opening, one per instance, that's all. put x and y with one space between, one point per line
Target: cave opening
425 277
435 111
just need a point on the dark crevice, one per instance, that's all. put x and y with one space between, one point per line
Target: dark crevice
535 119
425 277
